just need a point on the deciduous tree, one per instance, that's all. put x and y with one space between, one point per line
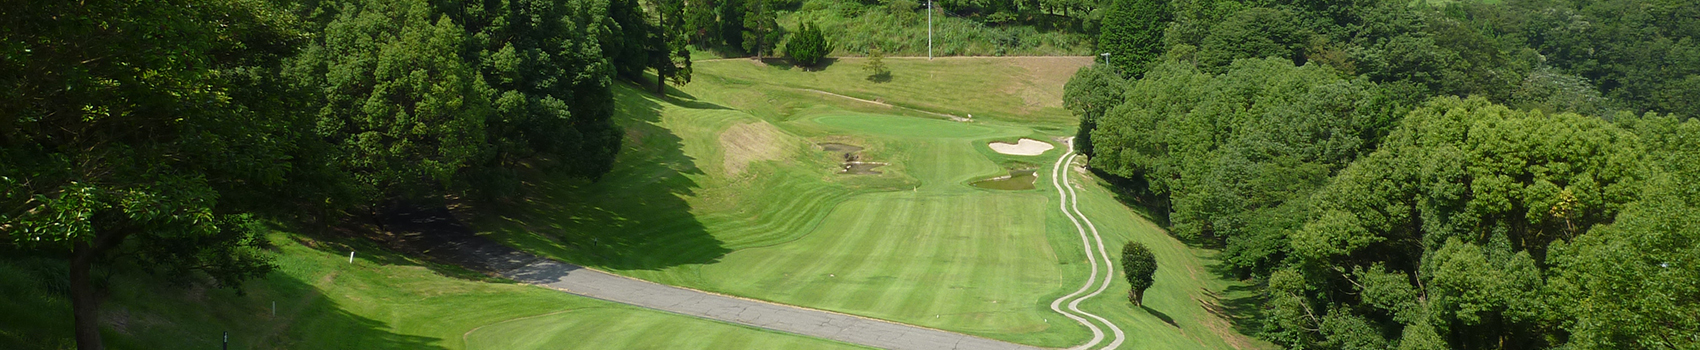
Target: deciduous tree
1140 269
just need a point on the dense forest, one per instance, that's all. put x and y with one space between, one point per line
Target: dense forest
167 136
1432 175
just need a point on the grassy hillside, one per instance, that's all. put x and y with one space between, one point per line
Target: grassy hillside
381 301
721 188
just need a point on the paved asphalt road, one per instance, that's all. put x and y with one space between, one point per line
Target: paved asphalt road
435 232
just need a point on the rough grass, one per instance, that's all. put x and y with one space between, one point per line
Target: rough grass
381 301
915 245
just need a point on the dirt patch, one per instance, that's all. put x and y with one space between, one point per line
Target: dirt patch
1042 85
749 143
1024 147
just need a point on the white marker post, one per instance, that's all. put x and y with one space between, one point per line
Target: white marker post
351 257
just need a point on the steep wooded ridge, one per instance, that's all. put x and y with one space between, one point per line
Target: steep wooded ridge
1444 174
163 136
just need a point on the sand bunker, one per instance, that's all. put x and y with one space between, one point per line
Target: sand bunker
1025 147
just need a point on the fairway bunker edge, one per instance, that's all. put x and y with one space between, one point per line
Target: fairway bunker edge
1023 147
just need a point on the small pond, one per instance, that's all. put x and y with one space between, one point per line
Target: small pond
1021 179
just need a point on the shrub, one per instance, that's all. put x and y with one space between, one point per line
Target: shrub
808 46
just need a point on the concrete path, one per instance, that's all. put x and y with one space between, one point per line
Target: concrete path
435 232
1067 199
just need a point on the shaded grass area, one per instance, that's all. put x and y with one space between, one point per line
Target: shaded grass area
915 244
380 301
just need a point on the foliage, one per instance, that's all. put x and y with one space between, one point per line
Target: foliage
1467 196
1132 34
549 83
1641 52
1238 153
1139 267
121 145
875 66
855 27
808 45
1089 94
761 31
1253 33
404 111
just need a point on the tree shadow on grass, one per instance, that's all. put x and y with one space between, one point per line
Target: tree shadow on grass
1161 316
635 218
1136 194
143 311
1240 303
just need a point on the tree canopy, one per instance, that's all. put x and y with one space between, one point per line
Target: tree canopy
808 45
1462 175
170 136
1140 269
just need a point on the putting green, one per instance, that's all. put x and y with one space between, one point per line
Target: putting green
916 244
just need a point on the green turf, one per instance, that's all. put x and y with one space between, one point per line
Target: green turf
916 244
381 301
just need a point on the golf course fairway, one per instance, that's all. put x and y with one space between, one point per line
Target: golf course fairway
722 187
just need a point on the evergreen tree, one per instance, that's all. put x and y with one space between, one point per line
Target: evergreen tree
808 45
761 30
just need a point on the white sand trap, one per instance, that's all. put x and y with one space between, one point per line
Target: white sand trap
1025 147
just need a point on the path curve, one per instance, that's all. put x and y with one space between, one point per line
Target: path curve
435 232
1068 198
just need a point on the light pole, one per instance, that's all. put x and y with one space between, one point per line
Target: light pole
929 30
1106 58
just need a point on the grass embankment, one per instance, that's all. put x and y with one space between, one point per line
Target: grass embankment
381 301
721 189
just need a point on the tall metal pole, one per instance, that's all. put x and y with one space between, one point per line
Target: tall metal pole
929 30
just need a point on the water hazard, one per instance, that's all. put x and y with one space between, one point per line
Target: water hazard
1020 179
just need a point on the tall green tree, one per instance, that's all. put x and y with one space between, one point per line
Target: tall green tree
405 112
1132 34
808 45
144 134
1238 154
1090 93
549 79
671 55
1627 285
1465 199
1140 269
761 30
